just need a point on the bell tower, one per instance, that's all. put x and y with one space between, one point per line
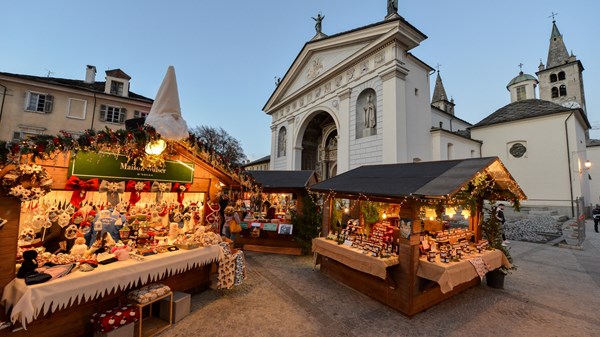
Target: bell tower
561 79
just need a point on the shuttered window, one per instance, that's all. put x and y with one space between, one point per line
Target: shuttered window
112 114
37 102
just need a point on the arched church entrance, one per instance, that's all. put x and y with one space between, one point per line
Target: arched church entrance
319 146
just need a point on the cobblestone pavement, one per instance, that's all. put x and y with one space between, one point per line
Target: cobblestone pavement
554 292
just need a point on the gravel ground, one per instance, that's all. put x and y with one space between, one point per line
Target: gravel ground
532 229
554 292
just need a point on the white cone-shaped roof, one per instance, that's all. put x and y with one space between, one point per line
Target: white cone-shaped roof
165 114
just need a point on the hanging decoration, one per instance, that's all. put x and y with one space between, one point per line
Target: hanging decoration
136 188
27 182
113 190
80 188
180 189
159 188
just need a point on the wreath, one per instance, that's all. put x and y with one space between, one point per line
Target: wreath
27 182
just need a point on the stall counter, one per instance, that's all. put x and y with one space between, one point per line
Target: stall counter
28 302
449 275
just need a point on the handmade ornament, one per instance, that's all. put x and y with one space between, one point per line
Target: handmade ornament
180 189
136 188
79 248
80 188
27 182
71 232
113 190
159 188
63 219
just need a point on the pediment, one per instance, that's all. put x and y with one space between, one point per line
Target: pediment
321 59
320 63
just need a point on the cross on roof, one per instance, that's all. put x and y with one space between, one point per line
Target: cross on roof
437 66
521 66
552 16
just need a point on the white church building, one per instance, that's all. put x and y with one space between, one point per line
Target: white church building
362 97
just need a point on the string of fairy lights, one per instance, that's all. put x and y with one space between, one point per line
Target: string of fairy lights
483 185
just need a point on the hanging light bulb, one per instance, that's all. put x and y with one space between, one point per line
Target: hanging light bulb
384 216
346 210
450 211
465 213
156 147
430 213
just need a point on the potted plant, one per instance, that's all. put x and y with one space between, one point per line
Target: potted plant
492 231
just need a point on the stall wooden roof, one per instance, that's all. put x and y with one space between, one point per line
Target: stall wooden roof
434 179
284 181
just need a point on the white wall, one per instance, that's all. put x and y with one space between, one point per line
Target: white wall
543 173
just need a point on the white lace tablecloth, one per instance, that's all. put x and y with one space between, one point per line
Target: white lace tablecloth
28 302
449 275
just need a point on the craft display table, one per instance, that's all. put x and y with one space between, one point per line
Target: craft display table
82 293
354 258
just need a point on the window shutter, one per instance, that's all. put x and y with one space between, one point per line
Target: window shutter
103 112
28 101
48 104
122 115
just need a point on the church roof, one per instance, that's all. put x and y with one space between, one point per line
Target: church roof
557 52
97 87
521 78
284 180
524 109
433 179
439 93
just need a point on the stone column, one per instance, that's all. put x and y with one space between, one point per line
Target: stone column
394 123
343 115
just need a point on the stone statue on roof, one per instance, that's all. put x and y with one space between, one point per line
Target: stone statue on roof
318 21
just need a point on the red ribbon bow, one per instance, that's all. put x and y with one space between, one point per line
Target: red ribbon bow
180 189
136 188
80 188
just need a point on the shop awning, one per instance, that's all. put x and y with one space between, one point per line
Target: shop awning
434 179
284 181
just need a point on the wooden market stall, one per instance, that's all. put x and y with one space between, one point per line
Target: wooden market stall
64 306
267 226
405 280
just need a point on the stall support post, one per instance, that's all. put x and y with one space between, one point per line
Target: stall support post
327 207
9 233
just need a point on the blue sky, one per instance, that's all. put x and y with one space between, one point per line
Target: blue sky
226 54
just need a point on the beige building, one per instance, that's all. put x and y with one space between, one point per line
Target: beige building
31 105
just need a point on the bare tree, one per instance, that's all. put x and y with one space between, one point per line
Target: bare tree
221 142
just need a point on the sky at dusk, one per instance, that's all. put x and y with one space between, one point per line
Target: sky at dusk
227 54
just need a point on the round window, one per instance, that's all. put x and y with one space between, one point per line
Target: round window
518 150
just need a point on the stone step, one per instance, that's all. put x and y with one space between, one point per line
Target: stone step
543 212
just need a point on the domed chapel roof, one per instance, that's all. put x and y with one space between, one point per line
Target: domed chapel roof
521 78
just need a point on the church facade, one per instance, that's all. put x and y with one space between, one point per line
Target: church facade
362 98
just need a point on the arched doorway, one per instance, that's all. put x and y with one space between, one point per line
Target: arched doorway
319 146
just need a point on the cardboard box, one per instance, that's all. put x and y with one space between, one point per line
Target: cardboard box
182 303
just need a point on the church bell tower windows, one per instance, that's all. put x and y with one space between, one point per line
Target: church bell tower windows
561 75
554 92
553 78
562 90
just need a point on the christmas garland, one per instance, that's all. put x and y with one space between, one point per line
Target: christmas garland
130 143
27 182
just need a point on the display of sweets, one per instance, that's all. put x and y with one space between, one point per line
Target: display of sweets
431 256
453 235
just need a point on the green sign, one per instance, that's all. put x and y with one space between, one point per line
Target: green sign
244 225
111 166
271 227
